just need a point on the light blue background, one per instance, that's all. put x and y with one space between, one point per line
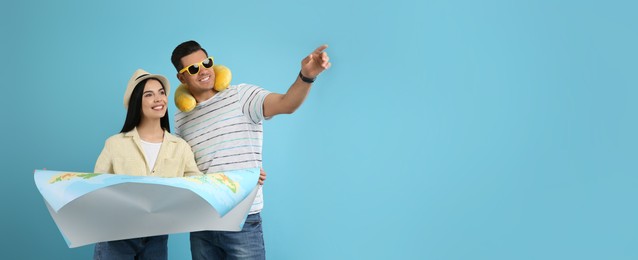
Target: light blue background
444 130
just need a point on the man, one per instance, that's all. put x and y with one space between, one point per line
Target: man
225 133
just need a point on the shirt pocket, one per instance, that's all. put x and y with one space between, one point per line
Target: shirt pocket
170 167
129 166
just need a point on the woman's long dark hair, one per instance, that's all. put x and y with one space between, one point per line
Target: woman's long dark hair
134 113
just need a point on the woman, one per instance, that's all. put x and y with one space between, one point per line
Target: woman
144 147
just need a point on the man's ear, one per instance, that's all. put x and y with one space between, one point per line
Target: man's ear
180 77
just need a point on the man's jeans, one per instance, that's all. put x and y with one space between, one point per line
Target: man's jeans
150 248
245 244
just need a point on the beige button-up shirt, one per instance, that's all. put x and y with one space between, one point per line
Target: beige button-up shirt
123 154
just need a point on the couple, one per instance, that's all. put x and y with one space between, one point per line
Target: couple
232 118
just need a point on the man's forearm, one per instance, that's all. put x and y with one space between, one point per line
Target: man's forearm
296 94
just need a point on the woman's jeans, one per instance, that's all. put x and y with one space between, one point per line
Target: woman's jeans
151 248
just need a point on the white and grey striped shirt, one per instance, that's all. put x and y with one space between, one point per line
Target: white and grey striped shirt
225 132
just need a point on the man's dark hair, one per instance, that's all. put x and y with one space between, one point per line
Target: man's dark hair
182 50
134 113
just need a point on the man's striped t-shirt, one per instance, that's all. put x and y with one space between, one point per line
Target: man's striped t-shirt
225 131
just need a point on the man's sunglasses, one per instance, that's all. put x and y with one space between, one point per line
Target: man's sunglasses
193 69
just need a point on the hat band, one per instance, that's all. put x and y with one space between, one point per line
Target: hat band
142 76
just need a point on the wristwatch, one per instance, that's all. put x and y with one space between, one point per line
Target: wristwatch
304 79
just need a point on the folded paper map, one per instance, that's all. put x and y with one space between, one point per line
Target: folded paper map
92 207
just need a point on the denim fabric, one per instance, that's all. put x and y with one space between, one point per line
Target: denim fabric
150 248
245 244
